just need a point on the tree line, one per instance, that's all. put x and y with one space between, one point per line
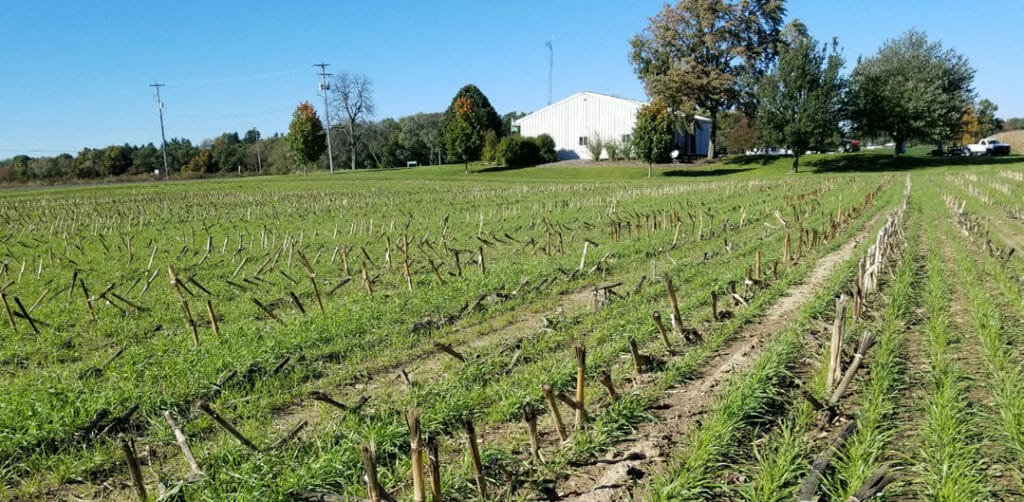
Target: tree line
469 130
763 83
357 140
760 82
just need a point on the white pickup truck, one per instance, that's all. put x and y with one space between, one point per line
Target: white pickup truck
988 146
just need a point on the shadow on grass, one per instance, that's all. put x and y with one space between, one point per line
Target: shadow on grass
747 160
498 169
696 173
881 163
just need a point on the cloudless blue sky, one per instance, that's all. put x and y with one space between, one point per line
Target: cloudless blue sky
75 74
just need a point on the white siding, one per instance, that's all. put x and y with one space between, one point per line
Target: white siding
589 114
585 114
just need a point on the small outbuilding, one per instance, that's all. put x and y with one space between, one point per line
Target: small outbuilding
577 120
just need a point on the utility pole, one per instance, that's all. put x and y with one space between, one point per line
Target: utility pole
163 138
324 87
551 65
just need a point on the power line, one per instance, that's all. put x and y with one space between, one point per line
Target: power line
324 87
163 137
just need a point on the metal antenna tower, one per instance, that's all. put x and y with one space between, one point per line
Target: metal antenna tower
163 138
551 66
324 87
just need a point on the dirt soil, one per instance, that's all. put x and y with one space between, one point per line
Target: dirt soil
628 468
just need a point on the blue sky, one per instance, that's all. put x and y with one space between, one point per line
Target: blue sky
75 74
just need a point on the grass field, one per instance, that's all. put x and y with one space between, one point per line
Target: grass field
312 313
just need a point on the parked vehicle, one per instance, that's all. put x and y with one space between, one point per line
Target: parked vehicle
953 151
848 146
988 146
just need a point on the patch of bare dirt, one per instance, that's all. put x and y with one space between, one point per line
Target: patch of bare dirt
621 474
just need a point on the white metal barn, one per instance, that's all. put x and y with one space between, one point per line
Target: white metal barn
575 120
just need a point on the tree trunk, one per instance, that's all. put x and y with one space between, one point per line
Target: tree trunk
650 168
714 132
352 143
796 162
467 167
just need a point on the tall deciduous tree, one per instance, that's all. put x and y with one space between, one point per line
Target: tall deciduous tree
352 100
987 120
467 118
201 163
228 152
306 134
146 159
463 135
251 136
653 134
800 102
701 55
421 137
912 89
742 137
117 160
179 152
484 115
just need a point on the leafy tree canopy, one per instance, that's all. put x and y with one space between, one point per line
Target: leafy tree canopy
800 101
912 89
988 123
462 132
467 119
485 116
653 134
306 137
703 55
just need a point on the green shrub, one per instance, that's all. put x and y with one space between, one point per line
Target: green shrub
490 150
546 144
519 151
595 145
614 149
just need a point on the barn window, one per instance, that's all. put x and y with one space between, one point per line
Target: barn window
583 141
625 138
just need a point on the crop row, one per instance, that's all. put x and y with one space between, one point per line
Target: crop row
258 387
605 333
773 468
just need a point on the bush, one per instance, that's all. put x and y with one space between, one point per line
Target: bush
519 151
546 144
626 149
490 150
595 145
613 148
